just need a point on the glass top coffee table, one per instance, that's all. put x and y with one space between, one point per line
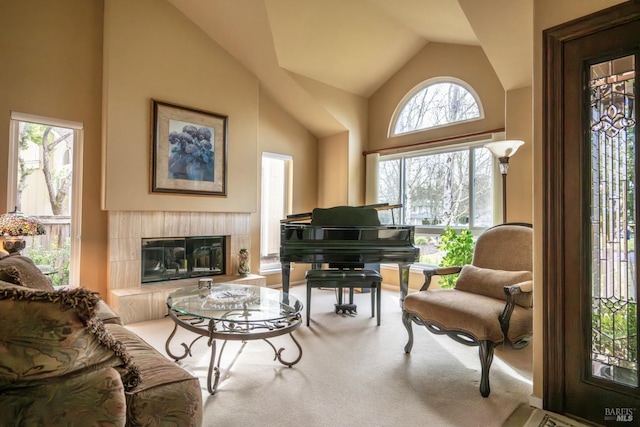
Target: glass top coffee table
233 312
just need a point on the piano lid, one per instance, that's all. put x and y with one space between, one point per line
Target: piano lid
306 217
346 235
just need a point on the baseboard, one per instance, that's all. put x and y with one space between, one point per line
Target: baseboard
536 402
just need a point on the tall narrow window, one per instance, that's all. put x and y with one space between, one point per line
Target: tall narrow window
433 104
44 179
276 204
613 214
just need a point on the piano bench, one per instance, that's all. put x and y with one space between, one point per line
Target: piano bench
346 278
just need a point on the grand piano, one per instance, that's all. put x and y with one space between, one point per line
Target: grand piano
346 236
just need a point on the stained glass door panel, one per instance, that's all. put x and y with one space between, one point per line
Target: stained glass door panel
614 339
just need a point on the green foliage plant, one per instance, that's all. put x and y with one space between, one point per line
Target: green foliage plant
458 251
615 329
57 257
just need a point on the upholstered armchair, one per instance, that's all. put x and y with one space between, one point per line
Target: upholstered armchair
491 302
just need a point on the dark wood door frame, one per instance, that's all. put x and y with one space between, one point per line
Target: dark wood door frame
554 197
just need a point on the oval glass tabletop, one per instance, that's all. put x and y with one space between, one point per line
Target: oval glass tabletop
227 301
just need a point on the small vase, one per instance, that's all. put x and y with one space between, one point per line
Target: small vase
243 262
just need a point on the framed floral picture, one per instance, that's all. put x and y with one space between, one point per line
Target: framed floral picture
189 151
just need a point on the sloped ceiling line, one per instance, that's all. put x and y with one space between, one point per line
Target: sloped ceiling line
357 45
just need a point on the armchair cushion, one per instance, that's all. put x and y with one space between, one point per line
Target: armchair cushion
489 282
475 314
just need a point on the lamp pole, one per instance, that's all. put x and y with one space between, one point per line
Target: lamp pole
504 167
503 150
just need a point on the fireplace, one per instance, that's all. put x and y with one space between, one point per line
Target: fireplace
136 301
182 257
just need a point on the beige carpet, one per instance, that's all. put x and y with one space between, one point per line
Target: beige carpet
353 373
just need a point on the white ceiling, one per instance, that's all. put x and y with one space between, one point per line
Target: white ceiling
357 45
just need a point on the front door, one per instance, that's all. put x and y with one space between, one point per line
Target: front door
591 209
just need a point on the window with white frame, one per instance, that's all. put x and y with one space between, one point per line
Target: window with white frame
275 205
45 181
439 188
434 103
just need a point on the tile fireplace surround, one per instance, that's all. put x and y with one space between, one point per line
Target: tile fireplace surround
136 302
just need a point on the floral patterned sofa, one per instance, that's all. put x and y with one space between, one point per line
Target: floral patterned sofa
66 360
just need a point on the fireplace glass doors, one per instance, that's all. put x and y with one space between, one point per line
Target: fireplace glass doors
182 257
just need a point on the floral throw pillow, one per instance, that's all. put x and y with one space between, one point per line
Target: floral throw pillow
53 334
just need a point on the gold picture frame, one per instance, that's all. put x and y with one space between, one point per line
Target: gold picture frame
189 151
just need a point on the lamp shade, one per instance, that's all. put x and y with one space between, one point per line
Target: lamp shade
19 224
504 148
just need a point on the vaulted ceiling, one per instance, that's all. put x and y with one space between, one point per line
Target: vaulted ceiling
357 45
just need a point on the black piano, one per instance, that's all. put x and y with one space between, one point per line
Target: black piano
345 236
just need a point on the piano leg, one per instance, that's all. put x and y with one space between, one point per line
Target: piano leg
403 270
286 276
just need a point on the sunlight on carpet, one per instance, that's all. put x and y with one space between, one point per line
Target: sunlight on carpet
353 372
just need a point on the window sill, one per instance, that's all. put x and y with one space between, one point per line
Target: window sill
271 270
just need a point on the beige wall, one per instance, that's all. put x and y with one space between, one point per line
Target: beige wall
333 163
52 66
351 111
467 63
280 133
145 61
547 13
519 177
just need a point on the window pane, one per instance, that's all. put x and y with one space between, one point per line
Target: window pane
428 245
614 319
274 208
483 188
434 105
389 188
45 176
436 189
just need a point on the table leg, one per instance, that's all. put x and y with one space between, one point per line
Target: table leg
187 348
278 352
213 374
214 369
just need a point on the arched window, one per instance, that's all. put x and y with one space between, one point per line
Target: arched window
434 103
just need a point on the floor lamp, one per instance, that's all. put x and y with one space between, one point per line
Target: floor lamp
503 150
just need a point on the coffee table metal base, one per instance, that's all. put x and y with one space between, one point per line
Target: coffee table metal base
232 329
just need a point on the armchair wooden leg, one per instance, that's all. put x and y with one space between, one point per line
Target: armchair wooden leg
486 357
406 320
